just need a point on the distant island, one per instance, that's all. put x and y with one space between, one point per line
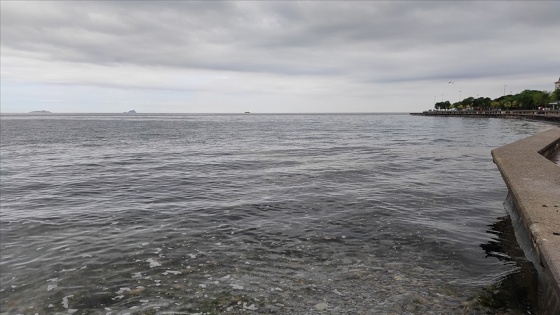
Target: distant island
130 112
40 112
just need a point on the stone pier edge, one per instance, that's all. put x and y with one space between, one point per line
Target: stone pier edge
533 203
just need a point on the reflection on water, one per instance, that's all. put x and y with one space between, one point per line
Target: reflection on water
516 291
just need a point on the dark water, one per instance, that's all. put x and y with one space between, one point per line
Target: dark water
555 157
263 214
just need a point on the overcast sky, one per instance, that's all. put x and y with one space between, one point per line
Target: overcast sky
284 56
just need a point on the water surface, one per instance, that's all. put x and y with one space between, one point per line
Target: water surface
263 214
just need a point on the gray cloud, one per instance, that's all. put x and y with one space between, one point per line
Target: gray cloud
361 42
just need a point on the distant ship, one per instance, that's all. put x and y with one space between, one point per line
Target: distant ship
247 112
130 112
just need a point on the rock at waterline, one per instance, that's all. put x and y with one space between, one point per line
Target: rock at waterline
321 306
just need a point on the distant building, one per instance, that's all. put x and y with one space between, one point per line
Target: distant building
557 84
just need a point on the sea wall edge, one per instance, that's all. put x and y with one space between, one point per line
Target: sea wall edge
533 201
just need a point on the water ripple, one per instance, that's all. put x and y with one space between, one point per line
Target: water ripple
259 213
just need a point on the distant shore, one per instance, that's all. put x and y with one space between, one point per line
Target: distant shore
40 112
548 115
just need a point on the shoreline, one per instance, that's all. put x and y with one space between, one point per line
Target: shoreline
549 115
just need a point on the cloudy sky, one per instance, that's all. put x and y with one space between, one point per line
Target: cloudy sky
273 56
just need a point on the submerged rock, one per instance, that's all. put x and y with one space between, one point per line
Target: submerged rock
321 306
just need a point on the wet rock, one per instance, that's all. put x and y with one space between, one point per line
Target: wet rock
136 291
418 270
356 274
321 306
420 300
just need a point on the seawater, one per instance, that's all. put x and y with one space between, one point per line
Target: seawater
262 214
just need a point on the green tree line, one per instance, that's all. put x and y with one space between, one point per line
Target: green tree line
528 99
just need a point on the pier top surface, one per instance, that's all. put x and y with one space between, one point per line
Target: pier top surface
534 182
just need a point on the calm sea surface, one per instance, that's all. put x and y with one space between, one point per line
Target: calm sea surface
255 214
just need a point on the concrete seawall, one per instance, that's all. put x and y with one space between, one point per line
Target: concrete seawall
533 204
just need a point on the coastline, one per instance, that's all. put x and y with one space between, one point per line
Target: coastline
549 115
533 203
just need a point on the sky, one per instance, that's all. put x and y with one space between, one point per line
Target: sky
271 56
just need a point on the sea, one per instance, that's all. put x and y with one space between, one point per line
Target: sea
258 214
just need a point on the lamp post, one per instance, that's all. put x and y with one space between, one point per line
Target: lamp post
505 89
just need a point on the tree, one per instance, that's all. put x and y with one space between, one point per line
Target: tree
442 105
525 99
557 94
467 101
555 98
528 99
541 99
482 102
